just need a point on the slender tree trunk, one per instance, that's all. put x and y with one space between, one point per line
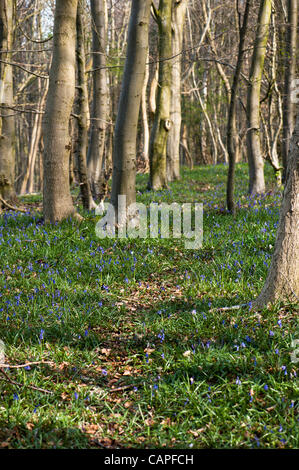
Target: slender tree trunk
173 141
255 158
290 75
82 115
283 277
162 123
124 152
231 124
99 113
144 117
58 202
7 121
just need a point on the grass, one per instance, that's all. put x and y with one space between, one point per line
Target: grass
140 353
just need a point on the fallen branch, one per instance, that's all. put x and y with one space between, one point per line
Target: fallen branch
6 204
13 382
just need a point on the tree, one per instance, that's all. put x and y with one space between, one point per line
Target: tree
173 141
290 74
99 111
7 122
124 152
255 157
162 123
231 124
82 114
283 276
57 200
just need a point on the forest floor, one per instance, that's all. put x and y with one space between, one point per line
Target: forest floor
131 346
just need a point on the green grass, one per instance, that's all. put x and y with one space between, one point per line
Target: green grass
143 317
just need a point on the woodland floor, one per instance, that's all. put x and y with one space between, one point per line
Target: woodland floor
132 346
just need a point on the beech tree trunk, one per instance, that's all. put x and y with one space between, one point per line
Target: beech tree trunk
290 75
162 123
255 158
82 115
173 141
7 122
283 277
99 112
124 152
57 200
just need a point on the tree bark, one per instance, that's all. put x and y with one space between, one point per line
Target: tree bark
124 152
7 122
283 277
173 141
58 203
162 123
255 158
82 115
290 75
99 113
231 124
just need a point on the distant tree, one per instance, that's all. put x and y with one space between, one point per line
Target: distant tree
57 200
174 137
82 114
7 121
162 123
231 123
255 156
100 97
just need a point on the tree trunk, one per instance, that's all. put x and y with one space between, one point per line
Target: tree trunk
82 115
290 75
283 277
173 141
231 125
162 124
7 121
255 158
58 202
124 152
99 113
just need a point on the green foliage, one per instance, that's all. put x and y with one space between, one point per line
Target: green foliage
145 318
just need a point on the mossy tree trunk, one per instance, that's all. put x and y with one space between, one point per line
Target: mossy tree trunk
255 157
57 200
7 122
162 123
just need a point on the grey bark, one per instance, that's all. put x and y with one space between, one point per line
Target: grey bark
100 100
173 141
7 122
283 277
255 158
124 152
57 199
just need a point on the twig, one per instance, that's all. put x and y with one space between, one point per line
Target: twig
8 379
12 207
20 366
